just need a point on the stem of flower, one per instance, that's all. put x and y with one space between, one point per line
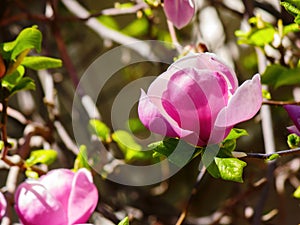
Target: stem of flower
4 124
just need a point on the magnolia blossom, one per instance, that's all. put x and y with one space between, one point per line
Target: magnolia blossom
294 113
198 99
179 12
3 205
61 197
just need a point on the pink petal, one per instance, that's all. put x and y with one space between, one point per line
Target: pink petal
83 198
293 130
3 205
194 98
36 206
243 105
58 183
155 121
294 113
206 61
179 12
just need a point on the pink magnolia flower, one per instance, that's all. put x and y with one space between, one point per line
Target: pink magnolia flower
3 205
294 113
198 99
179 12
61 197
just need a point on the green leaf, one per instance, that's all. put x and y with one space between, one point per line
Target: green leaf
41 62
296 193
81 160
266 94
177 151
256 37
230 169
11 80
293 140
137 28
41 156
292 6
29 38
276 75
31 174
273 157
132 151
125 221
294 27
109 22
135 125
25 83
100 129
236 133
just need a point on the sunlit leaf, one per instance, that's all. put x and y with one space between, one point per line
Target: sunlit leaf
81 160
296 193
236 133
109 21
41 156
138 27
135 125
31 174
132 151
230 169
125 221
25 83
11 80
100 129
41 62
293 140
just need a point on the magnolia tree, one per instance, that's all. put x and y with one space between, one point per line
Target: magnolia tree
214 140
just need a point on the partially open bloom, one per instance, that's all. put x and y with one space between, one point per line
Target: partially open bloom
3 205
179 12
198 99
61 197
294 113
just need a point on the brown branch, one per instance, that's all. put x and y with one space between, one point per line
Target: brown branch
280 103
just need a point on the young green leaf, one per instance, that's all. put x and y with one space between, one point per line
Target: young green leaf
125 221
230 169
236 133
100 129
293 140
296 193
10 81
132 151
41 156
138 27
31 174
25 83
81 160
41 62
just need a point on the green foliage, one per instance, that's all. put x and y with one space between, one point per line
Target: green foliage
266 94
230 168
261 33
109 22
293 7
41 156
273 157
132 151
31 174
100 129
41 62
154 3
219 160
81 160
276 75
177 151
125 221
138 27
14 54
296 193
135 125
293 140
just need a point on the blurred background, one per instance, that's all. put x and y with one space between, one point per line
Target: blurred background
68 35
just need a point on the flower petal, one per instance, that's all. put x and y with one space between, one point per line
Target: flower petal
3 205
293 130
155 121
206 61
58 183
83 198
36 206
179 12
294 113
194 98
243 105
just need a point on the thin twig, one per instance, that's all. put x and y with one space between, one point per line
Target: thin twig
192 195
280 103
